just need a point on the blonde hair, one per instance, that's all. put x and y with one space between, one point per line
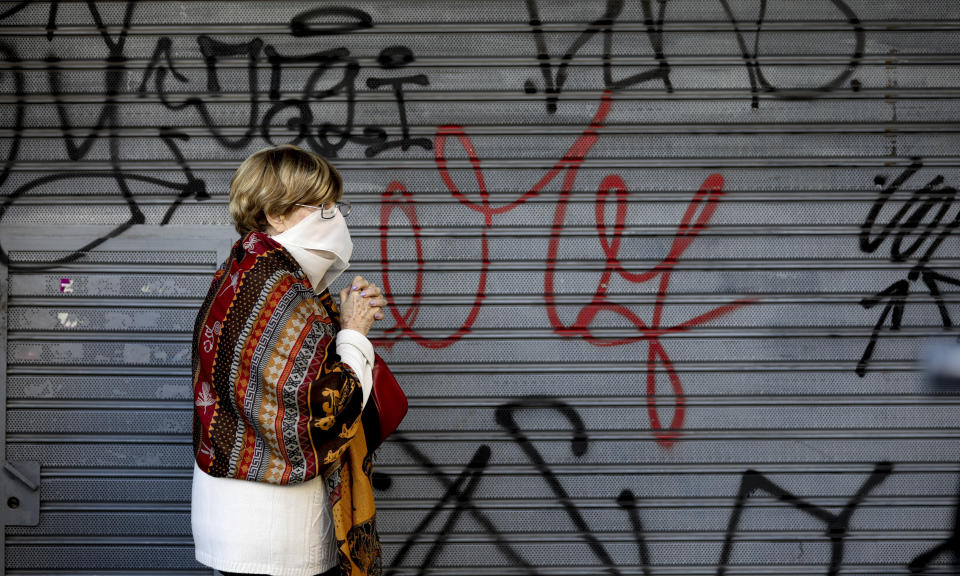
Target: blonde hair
273 179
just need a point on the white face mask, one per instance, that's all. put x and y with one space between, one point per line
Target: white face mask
322 247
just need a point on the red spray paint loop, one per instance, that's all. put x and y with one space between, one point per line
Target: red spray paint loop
611 247
665 438
404 322
405 205
439 156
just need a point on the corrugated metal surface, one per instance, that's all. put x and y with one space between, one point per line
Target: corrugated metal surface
661 273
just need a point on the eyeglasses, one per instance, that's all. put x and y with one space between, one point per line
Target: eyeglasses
343 205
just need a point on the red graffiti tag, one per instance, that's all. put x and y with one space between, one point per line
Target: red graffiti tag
695 219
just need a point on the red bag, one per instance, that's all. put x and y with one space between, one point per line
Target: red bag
385 408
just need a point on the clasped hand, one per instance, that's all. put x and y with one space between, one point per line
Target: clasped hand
360 304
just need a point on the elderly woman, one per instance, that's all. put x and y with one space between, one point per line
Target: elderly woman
282 477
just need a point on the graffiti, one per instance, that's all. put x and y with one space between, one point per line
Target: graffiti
837 524
326 138
951 545
463 499
302 25
461 489
755 71
628 502
553 84
108 119
653 21
923 223
695 219
578 445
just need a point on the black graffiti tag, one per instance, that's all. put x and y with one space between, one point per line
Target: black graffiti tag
556 75
915 230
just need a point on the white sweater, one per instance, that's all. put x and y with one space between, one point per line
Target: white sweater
281 530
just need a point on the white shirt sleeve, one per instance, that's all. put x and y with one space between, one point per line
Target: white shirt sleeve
356 350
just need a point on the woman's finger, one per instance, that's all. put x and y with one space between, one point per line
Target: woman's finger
359 283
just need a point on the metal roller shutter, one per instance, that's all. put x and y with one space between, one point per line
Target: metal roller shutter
663 274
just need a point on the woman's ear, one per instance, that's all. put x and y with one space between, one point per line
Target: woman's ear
275 222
